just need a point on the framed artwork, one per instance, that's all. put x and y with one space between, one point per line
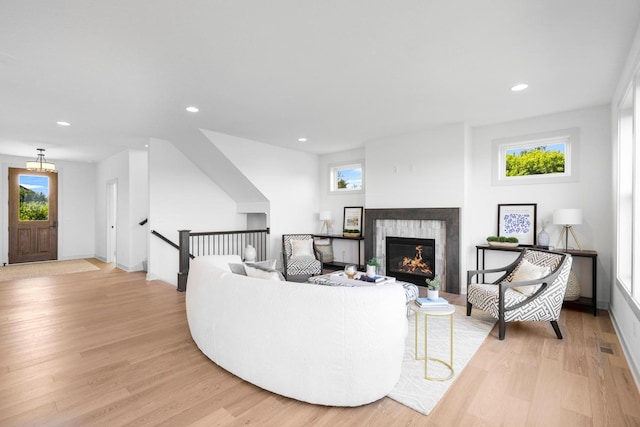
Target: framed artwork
353 219
518 220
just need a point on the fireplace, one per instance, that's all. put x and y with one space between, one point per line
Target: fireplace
440 224
410 259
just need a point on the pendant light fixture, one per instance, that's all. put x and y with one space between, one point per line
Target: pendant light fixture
40 164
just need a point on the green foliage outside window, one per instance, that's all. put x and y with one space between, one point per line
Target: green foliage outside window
536 161
342 183
33 206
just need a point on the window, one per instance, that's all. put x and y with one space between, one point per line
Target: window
627 195
541 158
346 178
625 192
34 198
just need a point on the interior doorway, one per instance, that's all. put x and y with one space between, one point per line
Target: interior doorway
33 216
112 221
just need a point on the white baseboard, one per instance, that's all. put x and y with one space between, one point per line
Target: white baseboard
635 369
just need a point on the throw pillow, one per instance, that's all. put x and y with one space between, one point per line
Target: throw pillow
237 269
325 247
301 247
263 273
269 263
525 272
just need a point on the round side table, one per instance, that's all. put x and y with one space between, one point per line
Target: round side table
447 310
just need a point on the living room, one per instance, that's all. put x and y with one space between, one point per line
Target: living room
248 182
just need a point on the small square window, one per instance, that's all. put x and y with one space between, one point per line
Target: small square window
346 178
536 159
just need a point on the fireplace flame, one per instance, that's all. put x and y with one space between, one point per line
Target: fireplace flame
415 264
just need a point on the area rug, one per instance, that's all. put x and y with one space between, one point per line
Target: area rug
422 395
47 268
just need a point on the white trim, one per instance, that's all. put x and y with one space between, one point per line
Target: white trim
635 370
569 136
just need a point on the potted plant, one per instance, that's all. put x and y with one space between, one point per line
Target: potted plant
433 286
502 241
372 266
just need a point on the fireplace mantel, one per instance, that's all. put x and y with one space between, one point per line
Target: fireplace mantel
450 216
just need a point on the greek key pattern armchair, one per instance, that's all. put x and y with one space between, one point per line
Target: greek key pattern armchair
512 299
308 264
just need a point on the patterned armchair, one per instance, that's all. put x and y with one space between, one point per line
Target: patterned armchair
300 256
531 288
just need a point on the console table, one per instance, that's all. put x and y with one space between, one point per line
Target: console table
583 302
341 265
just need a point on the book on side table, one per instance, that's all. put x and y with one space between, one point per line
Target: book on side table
439 303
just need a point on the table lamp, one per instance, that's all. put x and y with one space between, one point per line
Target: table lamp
325 216
568 218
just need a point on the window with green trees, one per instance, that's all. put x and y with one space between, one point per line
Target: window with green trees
540 160
34 198
537 158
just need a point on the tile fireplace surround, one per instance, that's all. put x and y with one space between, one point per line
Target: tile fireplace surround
442 224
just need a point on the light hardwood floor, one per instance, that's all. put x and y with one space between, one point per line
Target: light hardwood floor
109 348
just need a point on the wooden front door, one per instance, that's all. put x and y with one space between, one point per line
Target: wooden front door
33 216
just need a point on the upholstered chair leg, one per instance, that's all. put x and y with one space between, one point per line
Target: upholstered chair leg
502 326
468 308
556 328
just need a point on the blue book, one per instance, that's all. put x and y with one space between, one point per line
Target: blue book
426 302
375 279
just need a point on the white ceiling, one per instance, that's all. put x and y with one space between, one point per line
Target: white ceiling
337 72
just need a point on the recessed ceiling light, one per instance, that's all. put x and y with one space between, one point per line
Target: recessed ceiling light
302 139
192 109
519 87
61 123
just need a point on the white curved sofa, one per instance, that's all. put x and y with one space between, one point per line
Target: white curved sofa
340 346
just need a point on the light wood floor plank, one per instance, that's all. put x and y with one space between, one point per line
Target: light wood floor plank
110 348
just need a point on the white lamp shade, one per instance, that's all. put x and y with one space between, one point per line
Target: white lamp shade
567 216
325 215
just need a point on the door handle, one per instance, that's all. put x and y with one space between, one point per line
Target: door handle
55 224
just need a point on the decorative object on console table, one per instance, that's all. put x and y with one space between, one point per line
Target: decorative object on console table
573 291
352 224
433 286
518 220
505 242
567 218
543 238
327 222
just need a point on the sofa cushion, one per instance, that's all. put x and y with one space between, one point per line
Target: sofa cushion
301 248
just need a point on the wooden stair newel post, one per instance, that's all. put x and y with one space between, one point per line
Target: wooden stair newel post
183 272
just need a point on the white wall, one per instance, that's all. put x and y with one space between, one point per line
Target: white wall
76 207
343 251
182 197
287 178
424 169
417 170
591 193
129 170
